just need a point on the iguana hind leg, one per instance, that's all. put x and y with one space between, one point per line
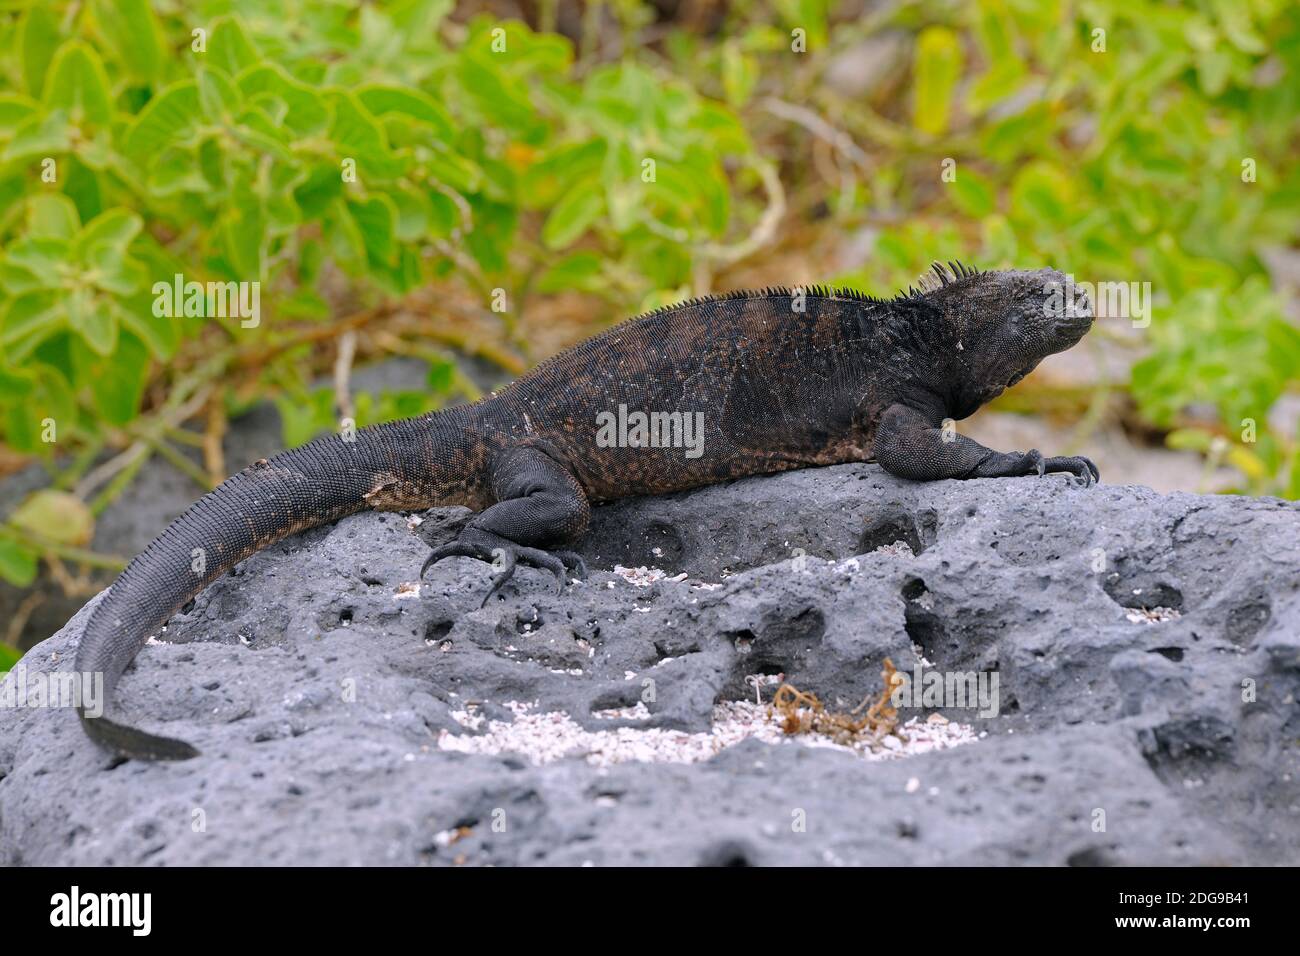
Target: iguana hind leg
907 444
539 505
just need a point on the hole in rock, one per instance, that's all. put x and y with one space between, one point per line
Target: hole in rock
650 544
907 829
727 853
743 640
1142 592
528 621
778 644
1246 621
1092 856
913 589
888 529
924 627
437 630
616 699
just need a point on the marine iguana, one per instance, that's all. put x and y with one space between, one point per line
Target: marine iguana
783 378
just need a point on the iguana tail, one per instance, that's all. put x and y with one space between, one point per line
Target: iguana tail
319 482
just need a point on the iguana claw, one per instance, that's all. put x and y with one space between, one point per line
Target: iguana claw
506 556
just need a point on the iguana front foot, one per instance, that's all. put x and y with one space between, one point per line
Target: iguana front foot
1015 464
505 556
911 445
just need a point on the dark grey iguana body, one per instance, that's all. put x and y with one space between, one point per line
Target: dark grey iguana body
783 379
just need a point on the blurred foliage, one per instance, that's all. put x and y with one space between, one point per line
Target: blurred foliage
630 167
340 157
1118 141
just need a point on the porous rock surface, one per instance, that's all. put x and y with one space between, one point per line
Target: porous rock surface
1146 648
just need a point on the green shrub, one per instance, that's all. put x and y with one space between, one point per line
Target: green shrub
346 149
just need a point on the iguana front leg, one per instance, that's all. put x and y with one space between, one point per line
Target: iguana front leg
909 445
539 504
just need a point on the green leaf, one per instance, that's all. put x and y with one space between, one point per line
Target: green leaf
1006 67
116 382
573 214
376 220
304 417
87 316
176 170
244 235
412 214
52 216
722 128
500 96
57 515
219 99
169 119
494 230
555 172
14 108
444 215
50 397
304 111
382 100
159 333
1234 18
357 136
623 188
256 130
82 186
132 31
318 192
28 320
39 136
442 374
809 15
1189 439
455 172
581 270
77 85
15 383
972 193
33 263
114 228
39 38
18 567
1042 194
113 272
739 74
229 48
938 68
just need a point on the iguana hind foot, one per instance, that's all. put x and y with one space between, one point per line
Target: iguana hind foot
505 556
539 503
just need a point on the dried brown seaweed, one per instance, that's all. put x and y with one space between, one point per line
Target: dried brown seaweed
801 712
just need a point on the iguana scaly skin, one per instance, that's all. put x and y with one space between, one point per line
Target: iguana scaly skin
783 378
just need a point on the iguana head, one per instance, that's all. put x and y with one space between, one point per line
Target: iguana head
1004 324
